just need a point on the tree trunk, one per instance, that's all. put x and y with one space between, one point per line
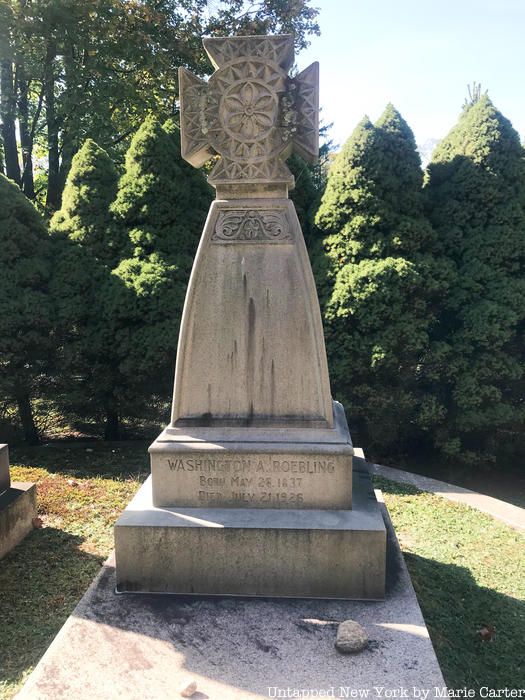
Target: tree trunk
112 428
28 184
25 412
53 177
7 115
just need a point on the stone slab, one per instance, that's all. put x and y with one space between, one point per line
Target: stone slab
146 646
5 481
260 552
17 510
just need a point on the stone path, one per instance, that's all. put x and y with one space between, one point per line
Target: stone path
506 512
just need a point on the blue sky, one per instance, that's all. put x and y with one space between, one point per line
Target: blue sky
420 55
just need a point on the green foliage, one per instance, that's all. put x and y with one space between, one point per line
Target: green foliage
476 202
86 247
25 313
84 218
162 204
380 281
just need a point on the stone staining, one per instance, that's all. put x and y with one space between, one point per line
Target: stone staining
250 303
251 112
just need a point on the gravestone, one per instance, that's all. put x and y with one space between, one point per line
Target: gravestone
17 506
5 480
252 489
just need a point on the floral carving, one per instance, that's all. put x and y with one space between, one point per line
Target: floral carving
250 225
250 110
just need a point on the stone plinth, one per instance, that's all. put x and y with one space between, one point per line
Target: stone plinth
338 553
17 510
5 481
297 469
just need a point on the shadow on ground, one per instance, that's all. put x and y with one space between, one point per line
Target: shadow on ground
40 582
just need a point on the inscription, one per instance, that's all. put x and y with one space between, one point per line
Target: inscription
250 225
235 466
261 481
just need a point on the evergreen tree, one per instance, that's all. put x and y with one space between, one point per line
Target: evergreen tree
84 217
162 204
380 282
476 202
25 313
86 246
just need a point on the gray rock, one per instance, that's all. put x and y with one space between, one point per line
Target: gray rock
351 637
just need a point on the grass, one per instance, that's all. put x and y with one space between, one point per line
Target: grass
468 570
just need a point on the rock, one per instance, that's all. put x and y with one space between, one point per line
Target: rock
188 689
351 637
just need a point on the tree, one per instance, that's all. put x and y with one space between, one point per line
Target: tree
381 282
86 247
162 204
25 311
73 70
476 202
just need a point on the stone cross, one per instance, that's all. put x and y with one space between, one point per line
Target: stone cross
251 112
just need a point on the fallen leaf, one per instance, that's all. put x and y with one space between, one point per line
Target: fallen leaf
37 523
487 633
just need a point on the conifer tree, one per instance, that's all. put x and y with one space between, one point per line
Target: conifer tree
86 247
25 312
476 202
162 204
381 281
84 217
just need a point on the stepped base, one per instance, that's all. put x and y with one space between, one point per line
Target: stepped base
254 552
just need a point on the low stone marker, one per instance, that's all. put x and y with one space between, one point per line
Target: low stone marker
5 480
17 506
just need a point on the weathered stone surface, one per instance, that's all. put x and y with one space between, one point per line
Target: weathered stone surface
250 111
351 637
236 649
194 468
248 551
17 510
251 350
5 480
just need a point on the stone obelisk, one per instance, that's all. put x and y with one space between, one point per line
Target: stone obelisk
251 490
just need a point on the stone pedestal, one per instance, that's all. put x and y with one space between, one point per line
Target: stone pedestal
252 490
17 506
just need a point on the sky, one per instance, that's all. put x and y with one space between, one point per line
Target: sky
420 55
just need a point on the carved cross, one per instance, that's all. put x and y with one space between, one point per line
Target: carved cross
250 112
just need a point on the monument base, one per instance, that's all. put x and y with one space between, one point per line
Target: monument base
17 510
254 552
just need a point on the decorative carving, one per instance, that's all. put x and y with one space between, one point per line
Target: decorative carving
250 112
252 225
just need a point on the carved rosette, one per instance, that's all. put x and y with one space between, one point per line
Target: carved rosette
252 226
250 112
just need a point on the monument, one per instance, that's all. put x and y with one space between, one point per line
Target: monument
17 506
252 490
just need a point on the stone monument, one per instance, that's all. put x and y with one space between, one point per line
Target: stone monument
17 506
252 490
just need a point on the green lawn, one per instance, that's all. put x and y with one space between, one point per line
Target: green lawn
468 570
